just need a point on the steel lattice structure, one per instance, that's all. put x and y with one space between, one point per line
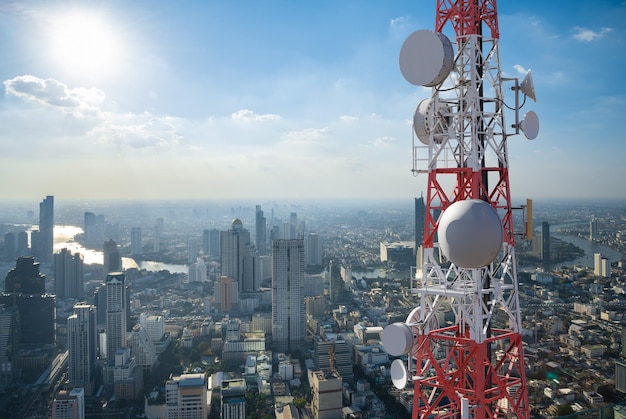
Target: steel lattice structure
474 368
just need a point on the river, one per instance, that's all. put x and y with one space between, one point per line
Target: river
590 248
64 239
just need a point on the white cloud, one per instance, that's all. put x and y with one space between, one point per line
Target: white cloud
588 35
520 69
80 102
348 118
382 141
87 116
247 115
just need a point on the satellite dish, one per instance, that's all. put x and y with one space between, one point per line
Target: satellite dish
399 374
528 87
397 339
530 125
426 58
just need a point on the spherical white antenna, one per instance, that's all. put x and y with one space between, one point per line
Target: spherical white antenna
530 125
528 87
470 233
426 58
399 374
397 339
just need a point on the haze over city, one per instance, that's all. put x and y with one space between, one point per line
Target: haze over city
162 100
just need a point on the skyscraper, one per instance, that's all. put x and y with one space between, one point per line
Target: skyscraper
135 241
9 344
211 242
313 250
593 229
46 230
545 242
82 345
420 213
25 289
288 317
238 257
261 231
112 257
68 274
116 313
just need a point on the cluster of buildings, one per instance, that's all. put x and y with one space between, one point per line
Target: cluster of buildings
290 314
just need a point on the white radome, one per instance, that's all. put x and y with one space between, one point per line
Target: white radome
470 233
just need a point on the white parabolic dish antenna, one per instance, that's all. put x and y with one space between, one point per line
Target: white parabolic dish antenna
426 58
399 374
470 233
397 339
530 125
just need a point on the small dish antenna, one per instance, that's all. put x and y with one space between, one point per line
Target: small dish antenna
426 58
528 87
530 125
397 339
399 374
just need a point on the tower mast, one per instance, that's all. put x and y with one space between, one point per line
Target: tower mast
474 368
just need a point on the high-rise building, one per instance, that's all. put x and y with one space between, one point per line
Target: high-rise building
261 231
154 326
239 259
25 277
288 318
197 271
69 405
597 264
332 353
135 241
25 289
293 226
142 347
111 257
326 392
156 240
620 376
94 228
82 347
233 396
420 214
46 230
226 294
68 274
545 242
593 229
312 250
10 245
22 243
192 250
116 313
186 396
9 345
211 242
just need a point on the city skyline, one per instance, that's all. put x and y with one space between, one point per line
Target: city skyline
230 100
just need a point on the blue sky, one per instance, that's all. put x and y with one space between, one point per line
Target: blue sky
283 99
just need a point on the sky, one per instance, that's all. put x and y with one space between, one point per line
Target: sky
239 99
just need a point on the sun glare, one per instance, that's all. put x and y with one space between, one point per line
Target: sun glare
83 44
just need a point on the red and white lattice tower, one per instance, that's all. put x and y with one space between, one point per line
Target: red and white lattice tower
475 367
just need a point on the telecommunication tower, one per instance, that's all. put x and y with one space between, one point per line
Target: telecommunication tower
473 368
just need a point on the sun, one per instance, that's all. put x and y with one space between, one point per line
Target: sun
83 43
